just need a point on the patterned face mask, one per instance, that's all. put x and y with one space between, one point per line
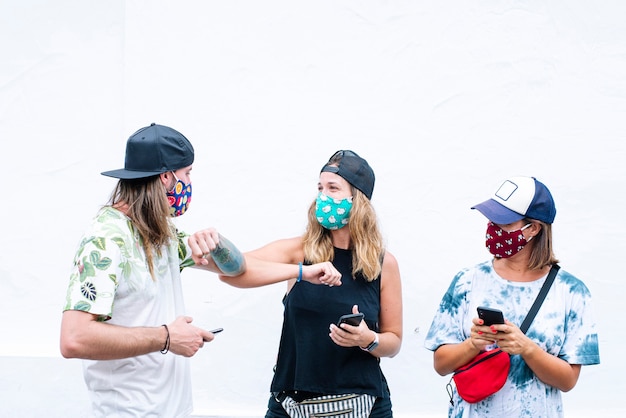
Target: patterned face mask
504 244
332 213
179 197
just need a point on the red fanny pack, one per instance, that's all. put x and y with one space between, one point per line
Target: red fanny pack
481 377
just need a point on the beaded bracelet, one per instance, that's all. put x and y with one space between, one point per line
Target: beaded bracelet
166 347
299 272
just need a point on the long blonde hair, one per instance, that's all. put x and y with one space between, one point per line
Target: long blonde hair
366 240
148 209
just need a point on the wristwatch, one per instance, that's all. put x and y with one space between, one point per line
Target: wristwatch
373 345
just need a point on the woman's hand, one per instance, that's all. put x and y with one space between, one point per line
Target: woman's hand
482 336
511 339
322 273
346 335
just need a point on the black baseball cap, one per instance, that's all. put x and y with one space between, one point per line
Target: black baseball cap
354 169
153 150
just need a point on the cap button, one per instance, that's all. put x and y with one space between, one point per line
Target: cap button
152 124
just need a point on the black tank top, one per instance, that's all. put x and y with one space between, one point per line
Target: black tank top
308 360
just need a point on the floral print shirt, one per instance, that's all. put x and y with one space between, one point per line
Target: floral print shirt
110 279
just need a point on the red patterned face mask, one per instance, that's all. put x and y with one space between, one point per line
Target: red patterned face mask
505 244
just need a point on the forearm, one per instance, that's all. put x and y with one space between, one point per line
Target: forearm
550 369
449 357
101 341
388 344
227 257
261 273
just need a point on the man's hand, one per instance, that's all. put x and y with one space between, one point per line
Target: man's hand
212 250
201 244
186 339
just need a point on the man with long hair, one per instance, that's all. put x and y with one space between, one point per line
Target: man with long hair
124 312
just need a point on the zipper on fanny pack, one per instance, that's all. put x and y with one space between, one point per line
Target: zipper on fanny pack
495 353
339 398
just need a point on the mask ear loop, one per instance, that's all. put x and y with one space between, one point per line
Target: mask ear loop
176 180
526 226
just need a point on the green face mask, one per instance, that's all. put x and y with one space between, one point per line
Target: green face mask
332 213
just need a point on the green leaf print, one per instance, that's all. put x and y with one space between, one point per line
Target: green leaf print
86 269
187 263
100 243
99 262
82 306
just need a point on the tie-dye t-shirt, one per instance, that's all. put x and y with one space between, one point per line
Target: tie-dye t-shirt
564 327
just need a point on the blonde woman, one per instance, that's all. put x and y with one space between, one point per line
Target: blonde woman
317 359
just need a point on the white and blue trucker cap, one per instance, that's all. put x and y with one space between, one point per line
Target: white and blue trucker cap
518 198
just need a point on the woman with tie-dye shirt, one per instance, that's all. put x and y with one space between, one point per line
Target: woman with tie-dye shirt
546 360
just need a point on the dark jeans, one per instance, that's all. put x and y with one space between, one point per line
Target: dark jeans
382 409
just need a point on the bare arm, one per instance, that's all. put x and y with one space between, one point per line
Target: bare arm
390 321
548 368
277 262
551 369
449 357
213 252
82 336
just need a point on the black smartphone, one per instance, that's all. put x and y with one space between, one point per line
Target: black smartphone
216 331
351 319
490 316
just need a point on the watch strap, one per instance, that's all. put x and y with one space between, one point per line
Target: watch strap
372 345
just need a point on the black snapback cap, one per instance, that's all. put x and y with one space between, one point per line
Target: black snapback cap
354 169
153 150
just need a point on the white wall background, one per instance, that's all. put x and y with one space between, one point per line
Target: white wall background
443 98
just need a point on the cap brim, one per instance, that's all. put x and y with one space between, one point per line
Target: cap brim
497 213
122 173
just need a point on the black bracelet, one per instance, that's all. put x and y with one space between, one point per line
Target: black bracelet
166 347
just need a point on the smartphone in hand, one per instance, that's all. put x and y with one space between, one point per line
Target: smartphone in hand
351 319
215 331
490 316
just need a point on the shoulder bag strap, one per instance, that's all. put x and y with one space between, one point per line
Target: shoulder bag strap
540 297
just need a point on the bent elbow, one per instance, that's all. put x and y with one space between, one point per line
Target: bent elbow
395 353
233 281
69 348
442 371
568 386
441 367
398 347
